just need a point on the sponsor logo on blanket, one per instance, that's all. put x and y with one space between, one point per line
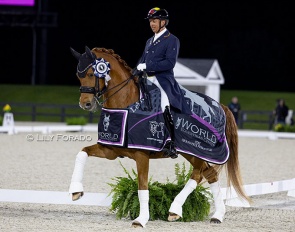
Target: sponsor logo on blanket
189 128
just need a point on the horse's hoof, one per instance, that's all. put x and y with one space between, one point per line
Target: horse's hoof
77 196
215 221
173 217
136 225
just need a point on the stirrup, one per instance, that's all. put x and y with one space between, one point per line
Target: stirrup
170 151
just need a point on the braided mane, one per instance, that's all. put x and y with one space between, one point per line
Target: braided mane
111 52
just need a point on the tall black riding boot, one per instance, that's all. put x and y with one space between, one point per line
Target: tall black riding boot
169 149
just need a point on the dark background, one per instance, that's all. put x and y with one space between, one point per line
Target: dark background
252 41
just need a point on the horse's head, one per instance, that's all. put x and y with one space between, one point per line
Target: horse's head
102 73
90 84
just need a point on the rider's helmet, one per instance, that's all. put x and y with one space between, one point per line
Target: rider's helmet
157 13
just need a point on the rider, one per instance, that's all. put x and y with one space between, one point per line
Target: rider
158 60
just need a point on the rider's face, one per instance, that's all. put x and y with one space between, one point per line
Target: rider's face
155 24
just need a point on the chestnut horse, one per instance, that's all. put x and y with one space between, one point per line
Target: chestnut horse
119 89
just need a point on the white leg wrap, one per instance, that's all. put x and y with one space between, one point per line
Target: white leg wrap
164 98
176 206
144 213
218 201
76 182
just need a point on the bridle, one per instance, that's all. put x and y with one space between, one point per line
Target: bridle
101 70
99 93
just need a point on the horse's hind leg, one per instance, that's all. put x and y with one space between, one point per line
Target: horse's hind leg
219 213
211 175
175 211
76 186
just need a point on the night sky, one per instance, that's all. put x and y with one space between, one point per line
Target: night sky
252 41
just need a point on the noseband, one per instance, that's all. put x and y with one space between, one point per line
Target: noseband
94 90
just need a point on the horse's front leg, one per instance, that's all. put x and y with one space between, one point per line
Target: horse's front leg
97 150
76 186
142 164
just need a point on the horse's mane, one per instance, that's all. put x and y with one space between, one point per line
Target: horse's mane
112 53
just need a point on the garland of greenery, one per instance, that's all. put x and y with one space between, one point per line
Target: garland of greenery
125 201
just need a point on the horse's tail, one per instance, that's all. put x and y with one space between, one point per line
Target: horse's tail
233 172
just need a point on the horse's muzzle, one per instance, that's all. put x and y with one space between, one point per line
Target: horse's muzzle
89 106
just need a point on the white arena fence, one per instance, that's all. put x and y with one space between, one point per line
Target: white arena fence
105 199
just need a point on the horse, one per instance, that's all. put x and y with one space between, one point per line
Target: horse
107 81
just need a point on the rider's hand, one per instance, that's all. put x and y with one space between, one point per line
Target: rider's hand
141 67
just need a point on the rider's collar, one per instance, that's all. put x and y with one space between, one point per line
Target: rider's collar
157 35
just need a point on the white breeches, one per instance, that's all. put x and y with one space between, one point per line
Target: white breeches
164 98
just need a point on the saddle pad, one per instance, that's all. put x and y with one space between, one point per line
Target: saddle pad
112 126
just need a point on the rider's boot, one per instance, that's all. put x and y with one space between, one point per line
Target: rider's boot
169 149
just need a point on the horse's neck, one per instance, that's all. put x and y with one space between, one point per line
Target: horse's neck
123 92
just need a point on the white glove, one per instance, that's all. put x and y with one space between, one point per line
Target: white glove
141 67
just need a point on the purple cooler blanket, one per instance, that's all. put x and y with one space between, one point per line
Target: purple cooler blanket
201 134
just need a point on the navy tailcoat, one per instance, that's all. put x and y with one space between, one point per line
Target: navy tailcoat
160 57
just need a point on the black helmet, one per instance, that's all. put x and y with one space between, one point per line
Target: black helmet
157 13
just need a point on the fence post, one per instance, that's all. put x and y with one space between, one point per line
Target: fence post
34 113
63 114
241 120
271 121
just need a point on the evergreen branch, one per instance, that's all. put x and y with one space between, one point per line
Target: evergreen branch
125 201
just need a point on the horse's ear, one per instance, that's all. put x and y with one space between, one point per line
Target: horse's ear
89 53
77 55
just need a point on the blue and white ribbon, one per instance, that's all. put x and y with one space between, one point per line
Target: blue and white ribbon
101 68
